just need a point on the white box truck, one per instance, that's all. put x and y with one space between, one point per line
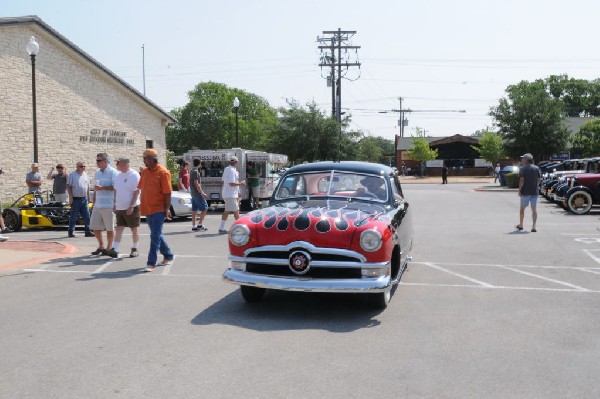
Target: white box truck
214 162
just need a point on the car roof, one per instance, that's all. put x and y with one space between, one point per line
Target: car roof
344 166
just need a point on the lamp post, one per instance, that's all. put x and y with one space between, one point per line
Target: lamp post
236 106
33 48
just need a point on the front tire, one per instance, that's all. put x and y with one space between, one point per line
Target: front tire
380 300
12 219
580 202
252 294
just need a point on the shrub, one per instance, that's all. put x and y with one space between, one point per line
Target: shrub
512 180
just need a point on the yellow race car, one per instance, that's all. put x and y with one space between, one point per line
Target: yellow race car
37 210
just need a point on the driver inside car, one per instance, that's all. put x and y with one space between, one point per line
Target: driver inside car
373 187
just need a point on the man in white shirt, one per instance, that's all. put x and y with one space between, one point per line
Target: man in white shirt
104 202
231 192
127 206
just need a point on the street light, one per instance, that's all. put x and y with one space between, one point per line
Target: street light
236 106
33 48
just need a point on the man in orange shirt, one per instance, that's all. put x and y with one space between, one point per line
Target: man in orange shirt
155 186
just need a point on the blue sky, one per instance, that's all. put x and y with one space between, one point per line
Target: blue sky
436 54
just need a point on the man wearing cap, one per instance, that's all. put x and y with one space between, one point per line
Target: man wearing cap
529 181
231 192
155 186
34 179
104 202
127 206
59 186
78 188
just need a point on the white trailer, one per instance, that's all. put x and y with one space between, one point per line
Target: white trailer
214 162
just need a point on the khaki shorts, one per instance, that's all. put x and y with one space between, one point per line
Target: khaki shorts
102 219
125 220
231 205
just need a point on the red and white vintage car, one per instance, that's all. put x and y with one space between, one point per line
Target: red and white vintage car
330 227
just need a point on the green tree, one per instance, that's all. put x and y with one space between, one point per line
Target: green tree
307 134
580 97
530 120
421 151
587 140
369 150
208 120
490 147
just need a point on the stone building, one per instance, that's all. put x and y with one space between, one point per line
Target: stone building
82 108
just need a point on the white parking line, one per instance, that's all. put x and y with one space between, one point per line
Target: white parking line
591 255
499 287
545 278
481 283
101 268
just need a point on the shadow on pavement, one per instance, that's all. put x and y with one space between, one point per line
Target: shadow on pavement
341 313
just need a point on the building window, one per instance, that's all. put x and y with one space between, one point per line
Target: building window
149 143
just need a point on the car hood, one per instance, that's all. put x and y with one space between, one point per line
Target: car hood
320 225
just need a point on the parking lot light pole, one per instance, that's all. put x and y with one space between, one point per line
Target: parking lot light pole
33 48
236 107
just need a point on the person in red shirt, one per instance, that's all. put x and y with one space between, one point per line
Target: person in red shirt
184 177
155 186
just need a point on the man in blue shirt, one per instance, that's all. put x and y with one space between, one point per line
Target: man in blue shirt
104 202
78 188
34 179
529 182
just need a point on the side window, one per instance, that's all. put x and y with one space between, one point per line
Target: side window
397 188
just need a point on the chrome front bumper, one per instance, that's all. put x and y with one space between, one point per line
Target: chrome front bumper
362 285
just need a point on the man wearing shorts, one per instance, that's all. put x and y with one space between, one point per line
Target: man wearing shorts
127 206
198 198
230 193
104 202
529 182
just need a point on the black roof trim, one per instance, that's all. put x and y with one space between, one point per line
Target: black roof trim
35 20
344 166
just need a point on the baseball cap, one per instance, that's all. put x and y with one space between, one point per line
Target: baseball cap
527 156
151 152
233 158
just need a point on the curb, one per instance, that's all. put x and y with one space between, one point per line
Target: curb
66 250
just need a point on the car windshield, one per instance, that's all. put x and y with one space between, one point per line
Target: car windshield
333 184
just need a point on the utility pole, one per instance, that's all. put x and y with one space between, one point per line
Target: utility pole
403 111
144 67
337 40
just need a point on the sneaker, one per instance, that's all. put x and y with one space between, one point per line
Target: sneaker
166 262
222 231
149 268
201 227
3 238
112 253
71 234
100 251
195 228
5 230
89 234
134 253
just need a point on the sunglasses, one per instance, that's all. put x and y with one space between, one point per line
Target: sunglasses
81 166
100 160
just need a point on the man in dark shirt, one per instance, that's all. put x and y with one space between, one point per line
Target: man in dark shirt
529 180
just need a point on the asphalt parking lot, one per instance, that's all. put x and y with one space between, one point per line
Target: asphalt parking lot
483 311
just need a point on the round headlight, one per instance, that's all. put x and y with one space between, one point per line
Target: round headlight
239 235
370 240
